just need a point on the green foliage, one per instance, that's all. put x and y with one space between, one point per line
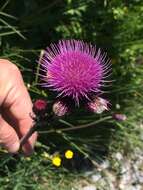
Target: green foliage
27 27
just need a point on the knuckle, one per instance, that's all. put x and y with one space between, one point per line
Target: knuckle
8 66
14 68
3 61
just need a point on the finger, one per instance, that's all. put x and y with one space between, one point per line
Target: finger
18 107
20 111
21 131
29 145
8 137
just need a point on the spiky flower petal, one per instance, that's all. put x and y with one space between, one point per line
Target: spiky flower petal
74 69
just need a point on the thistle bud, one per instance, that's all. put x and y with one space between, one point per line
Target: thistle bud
98 105
39 105
60 108
119 117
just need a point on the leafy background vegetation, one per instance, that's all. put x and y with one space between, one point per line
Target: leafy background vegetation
26 28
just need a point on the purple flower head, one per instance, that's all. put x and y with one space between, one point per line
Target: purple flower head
60 108
98 105
74 69
119 117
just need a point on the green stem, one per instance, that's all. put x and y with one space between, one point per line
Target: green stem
76 127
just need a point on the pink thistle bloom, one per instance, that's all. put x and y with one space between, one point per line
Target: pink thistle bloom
74 69
39 105
60 108
119 117
98 105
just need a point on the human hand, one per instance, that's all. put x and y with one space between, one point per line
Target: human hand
15 109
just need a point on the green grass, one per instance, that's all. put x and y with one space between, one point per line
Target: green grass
34 173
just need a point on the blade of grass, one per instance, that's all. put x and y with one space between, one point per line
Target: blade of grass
4 5
8 15
13 29
66 123
73 144
38 67
8 33
80 149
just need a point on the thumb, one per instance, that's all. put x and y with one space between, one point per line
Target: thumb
8 137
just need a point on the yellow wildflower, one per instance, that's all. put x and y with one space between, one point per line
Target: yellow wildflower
69 154
56 161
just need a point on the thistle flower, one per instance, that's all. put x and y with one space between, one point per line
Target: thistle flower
39 105
60 108
98 105
74 69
